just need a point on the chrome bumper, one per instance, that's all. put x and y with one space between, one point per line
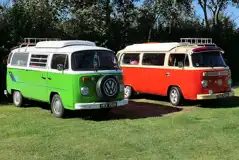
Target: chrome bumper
216 95
100 105
5 92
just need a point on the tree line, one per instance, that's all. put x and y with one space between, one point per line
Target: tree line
117 23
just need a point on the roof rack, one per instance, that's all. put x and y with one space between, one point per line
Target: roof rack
198 41
33 41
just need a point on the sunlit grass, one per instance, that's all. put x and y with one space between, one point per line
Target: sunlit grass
202 133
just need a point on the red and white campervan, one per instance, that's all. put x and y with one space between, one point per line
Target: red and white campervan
192 69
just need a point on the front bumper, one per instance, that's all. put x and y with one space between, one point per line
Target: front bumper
216 95
100 105
5 92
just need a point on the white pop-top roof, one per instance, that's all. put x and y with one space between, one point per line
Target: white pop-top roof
153 46
61 44
63 47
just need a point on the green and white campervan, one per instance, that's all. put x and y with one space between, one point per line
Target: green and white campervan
70 75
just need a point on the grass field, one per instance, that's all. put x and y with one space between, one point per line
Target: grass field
145 129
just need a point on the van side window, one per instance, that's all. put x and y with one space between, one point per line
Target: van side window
153 59
20 59
59 59
9 57
131 59
38 61
175 58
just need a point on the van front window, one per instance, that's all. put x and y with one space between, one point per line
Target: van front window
208 59
94 60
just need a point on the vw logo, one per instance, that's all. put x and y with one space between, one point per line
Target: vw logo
110 87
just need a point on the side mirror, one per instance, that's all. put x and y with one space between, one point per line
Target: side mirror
60 67
226 61
180 64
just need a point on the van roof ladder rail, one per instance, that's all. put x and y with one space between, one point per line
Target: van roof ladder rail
198 41
33 41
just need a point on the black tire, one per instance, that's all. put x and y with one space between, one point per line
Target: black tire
128 91
17 98
57 107
175 96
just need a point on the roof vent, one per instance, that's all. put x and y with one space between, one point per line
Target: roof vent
61 44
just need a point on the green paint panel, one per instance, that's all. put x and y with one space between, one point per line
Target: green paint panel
62 84
29 82
40 85
91 84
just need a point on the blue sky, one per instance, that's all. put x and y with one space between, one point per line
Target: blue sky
230 11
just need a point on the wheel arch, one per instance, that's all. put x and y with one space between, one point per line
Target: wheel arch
171 86
51 95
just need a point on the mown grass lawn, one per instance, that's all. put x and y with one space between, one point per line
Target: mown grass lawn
142 130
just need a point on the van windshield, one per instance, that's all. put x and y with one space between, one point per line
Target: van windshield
94 60
208 59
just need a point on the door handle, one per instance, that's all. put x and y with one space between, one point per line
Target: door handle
49 78
43 77
167 74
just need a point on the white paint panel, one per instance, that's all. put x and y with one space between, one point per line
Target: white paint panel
66 71
61 44
65 50
153 47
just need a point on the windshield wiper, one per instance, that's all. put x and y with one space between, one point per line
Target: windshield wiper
96 62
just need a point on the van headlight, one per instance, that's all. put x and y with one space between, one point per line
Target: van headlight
84 91
204 83
229 81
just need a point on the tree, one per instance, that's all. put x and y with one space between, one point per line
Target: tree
216 7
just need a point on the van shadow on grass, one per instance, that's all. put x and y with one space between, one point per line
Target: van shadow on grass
5 101
231 102
161 99
134 110
137 110
150 97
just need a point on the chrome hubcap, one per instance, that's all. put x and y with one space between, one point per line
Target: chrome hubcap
17 98
57 106
174 96
127 91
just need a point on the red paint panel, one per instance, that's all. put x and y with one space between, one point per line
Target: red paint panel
214 86
200 49
155 81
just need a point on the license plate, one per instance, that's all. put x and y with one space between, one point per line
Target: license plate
108 105
223 95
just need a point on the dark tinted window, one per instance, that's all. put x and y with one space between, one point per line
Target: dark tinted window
59 59
131 58
175 58
20 59
94 60
208 59
153 59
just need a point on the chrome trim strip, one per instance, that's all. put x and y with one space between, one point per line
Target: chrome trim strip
85 106
214 96
220 73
